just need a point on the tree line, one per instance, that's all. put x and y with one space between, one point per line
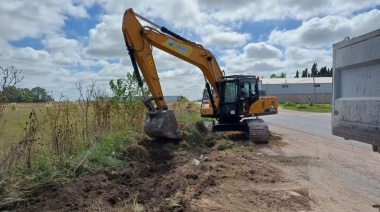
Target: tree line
282 75
9 78
14 94
323 72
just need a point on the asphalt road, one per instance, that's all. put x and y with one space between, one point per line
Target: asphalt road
315 124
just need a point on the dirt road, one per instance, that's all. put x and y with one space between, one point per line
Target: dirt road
295 172
332 176
315 124
339 177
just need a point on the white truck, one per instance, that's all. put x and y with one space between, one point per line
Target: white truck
356 89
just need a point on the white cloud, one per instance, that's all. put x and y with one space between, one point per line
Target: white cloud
323 32
179 14
261 51
106 39
187 19
63 51
263 59
26 18
256 59
26 58
57 44
221 37
188 82
224 11
40 68
217 25
301 58
305 57
165 61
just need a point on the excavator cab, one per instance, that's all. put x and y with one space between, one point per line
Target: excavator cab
237 94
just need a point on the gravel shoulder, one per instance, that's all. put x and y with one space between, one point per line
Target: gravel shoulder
338 176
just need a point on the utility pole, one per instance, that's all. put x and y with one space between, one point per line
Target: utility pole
286 89
315 93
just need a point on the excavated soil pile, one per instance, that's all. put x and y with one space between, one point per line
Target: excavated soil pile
191 179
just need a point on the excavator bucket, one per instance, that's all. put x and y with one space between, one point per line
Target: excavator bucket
162 124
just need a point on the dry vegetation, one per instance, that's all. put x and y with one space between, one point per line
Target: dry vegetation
83 157
45 144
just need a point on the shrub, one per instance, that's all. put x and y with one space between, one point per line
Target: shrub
222 145
136 152
289 104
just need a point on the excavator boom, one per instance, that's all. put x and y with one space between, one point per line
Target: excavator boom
161 122
140 39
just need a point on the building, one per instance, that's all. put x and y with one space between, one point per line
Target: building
299 90
171 99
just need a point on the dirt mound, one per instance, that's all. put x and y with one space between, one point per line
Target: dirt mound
189 179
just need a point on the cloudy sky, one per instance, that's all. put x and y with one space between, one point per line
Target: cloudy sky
63 42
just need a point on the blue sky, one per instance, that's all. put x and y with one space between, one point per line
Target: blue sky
59 44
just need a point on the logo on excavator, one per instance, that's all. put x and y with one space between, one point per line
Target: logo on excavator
179 48
170 42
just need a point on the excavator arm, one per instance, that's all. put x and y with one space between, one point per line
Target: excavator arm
139 41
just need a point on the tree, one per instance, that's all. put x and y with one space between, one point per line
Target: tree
297 75
26 95
127 92
183 99
314 70
41 95
11 93
127 89
273 76
323 71
8 77
305 73
330 72
282 75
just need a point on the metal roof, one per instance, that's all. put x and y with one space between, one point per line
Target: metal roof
295 80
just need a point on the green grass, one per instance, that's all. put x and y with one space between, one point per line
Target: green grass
187 112
108 153
317 108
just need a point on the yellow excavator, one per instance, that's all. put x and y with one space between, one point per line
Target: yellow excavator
237 102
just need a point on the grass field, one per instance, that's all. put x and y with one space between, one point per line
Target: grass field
318 108
14 121
46 144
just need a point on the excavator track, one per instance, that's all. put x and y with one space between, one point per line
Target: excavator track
258 130
255 130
